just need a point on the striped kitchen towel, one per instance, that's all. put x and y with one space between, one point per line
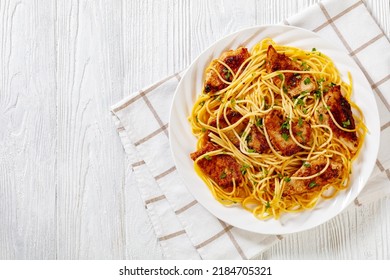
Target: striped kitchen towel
184 228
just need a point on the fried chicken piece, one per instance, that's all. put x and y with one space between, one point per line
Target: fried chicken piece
257 141
278 131
342 113
331 174
232 117
222 169
234 59
295 83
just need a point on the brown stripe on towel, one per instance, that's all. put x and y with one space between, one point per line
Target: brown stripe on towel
143 92
365 45
151 135
165 173
172 235
154 199
386 125
138 163
184 208
214 237
377 84
337 16
233 240
341 37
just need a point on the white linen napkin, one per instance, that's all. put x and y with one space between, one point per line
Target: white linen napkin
184 228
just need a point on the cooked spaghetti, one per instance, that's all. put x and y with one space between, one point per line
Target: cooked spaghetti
276 127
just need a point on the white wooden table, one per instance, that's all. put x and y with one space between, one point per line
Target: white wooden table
63 187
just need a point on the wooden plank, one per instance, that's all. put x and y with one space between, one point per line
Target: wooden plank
90 196
27 130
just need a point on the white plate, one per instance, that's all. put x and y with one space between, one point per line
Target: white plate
182 141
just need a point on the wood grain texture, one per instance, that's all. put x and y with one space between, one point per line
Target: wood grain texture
27 130
66 190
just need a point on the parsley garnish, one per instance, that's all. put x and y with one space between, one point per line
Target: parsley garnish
317 93
306 164
251 151
300 122
227 73
259 122
287 179
286 124
312 184
307 81
243 168
346 123
207 157
285 136
321 117
281 76
300 102
267 205
223 175
313 49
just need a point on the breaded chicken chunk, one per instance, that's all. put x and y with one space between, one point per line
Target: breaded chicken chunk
342 113
295 83
222 169
234 59
277 127
256 141
331 174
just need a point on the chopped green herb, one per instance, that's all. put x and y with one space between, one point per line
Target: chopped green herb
303 93
321 117
244 168
317 93
223 175
300 102
307 81
312 184
306 164
304 110
281 76
207 157
284 89
233 101
313 49
321 81
251 151
332 84
285 136
203 129
286 124
287 179
267 206
248 138
346 123
201 103
227 73
298 76
196 118
299 133
280 176
259 122
300 122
